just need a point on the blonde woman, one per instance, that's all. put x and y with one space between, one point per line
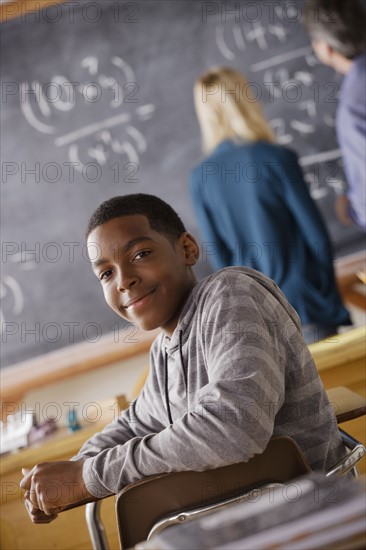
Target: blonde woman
253 206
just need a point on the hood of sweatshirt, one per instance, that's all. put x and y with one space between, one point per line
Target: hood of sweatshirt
182 330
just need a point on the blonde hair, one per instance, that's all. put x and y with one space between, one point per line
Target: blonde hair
227 109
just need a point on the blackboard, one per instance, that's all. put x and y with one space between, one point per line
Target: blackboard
97 101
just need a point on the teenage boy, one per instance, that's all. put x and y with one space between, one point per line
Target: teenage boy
337 31
229 369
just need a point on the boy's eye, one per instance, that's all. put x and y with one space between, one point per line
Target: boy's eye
105 274
141 254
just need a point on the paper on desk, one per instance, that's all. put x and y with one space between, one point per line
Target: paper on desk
312 531
302 510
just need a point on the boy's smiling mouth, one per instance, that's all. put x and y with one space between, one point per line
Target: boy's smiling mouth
138 301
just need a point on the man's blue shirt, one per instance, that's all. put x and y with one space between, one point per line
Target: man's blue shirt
351 132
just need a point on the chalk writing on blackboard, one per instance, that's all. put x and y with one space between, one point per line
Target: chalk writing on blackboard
40 106
11 295
275 80
233 40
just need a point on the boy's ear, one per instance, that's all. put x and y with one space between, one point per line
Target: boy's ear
190 248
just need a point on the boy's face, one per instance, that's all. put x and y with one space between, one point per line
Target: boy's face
145 278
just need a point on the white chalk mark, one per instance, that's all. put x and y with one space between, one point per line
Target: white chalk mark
2 321
146 111
239 38
25 265
311 59
319 192
258 33
138 137
110 83
221 44
330 120
90 63
118 96
98 154
279 31
276 78
309 106
320 157
127 148
2 291
106 137
121 64
89 91
74 158
278 126
302 127
30 116
64 85
279 11
43 104
285 139
336 184
92 129
106 81
277 59
28 266
304 77
17 293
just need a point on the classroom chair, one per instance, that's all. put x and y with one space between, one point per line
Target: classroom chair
150 505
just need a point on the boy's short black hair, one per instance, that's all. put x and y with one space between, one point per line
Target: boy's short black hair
340 23
161 217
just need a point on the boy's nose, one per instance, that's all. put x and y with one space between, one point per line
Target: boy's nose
126 280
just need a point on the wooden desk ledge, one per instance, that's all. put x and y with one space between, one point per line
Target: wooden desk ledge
340 349
348 404
73 360
61 445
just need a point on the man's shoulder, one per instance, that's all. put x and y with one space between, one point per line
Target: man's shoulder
359 65
351 88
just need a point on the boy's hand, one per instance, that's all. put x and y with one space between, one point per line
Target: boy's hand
51 487
35 514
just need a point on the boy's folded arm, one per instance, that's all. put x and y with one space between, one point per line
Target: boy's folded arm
115 433
214 434
136 421
232 420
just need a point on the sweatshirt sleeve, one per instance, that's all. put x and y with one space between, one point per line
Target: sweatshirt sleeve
233 418
217 251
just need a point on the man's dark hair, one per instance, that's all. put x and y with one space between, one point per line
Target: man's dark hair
161 217
340 23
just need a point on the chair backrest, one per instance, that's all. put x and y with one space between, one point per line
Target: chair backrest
142 504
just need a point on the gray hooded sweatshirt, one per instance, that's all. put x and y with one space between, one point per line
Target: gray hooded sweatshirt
235 372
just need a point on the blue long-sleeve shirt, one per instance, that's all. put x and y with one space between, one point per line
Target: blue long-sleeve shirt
351 133
254 209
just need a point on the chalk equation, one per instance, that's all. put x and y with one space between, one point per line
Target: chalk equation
96 142
11 293
235 40
303 107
